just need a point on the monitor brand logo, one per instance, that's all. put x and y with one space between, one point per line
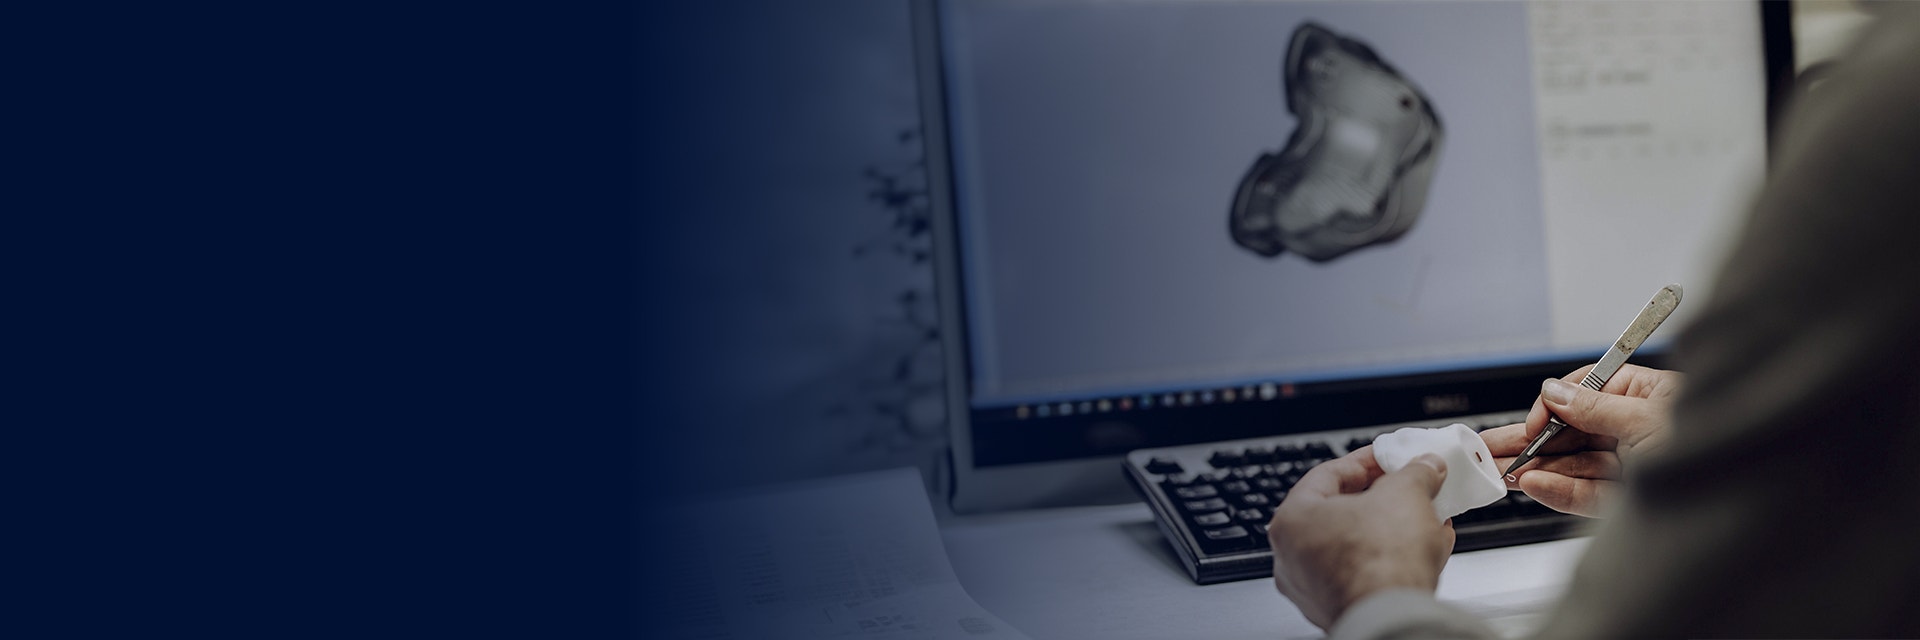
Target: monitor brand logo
1448 403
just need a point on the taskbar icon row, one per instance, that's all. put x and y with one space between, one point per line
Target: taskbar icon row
1265 391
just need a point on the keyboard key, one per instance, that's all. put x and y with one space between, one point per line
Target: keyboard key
1163 466
1210 504
1181 479
1226 533
1212 519
1259 529
1250 471
1255 500
1224 458
1268 484
1258 455
1196 492
1228 539
1251 515
1236 486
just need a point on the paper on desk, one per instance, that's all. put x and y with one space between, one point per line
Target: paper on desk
852 557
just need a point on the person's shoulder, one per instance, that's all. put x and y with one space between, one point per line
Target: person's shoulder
1879 61
1859 104
1889 45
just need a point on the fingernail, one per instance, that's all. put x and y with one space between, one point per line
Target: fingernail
1439 464
1557 392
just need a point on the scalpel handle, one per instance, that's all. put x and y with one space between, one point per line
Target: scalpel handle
1662 305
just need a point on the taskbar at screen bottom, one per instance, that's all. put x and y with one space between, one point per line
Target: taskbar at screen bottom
1112 426
1165 400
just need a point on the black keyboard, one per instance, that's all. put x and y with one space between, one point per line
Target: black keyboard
1213 500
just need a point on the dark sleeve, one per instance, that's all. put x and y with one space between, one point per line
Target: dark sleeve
1788 503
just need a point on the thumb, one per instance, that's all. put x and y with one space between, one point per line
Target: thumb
1423 475
1594 412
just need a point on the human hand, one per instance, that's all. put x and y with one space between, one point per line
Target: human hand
1349 529
1578 471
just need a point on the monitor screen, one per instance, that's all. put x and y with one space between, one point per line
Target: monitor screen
1171 204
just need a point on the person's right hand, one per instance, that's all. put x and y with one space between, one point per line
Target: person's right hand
1577 471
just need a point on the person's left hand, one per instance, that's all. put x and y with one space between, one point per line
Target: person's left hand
1348 529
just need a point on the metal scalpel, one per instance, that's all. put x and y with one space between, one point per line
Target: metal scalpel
1643 325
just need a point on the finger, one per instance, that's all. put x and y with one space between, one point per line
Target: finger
1578 496
1593 465
1641 382
1351 473
1630 380
1508 441
1596 465
1421 478
1537 415
1598 413
1364 457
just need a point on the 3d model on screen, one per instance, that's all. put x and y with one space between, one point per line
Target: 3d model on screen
1356 169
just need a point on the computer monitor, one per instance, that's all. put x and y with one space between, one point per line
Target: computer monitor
1175 221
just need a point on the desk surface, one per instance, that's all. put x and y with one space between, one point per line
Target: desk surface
1105 572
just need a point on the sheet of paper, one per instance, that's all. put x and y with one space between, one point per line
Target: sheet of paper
851 557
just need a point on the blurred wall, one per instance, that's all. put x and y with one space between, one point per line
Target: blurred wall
785 243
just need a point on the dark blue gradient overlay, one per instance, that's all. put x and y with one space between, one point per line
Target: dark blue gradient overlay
325 320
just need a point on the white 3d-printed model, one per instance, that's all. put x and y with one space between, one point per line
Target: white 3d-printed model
1472 479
